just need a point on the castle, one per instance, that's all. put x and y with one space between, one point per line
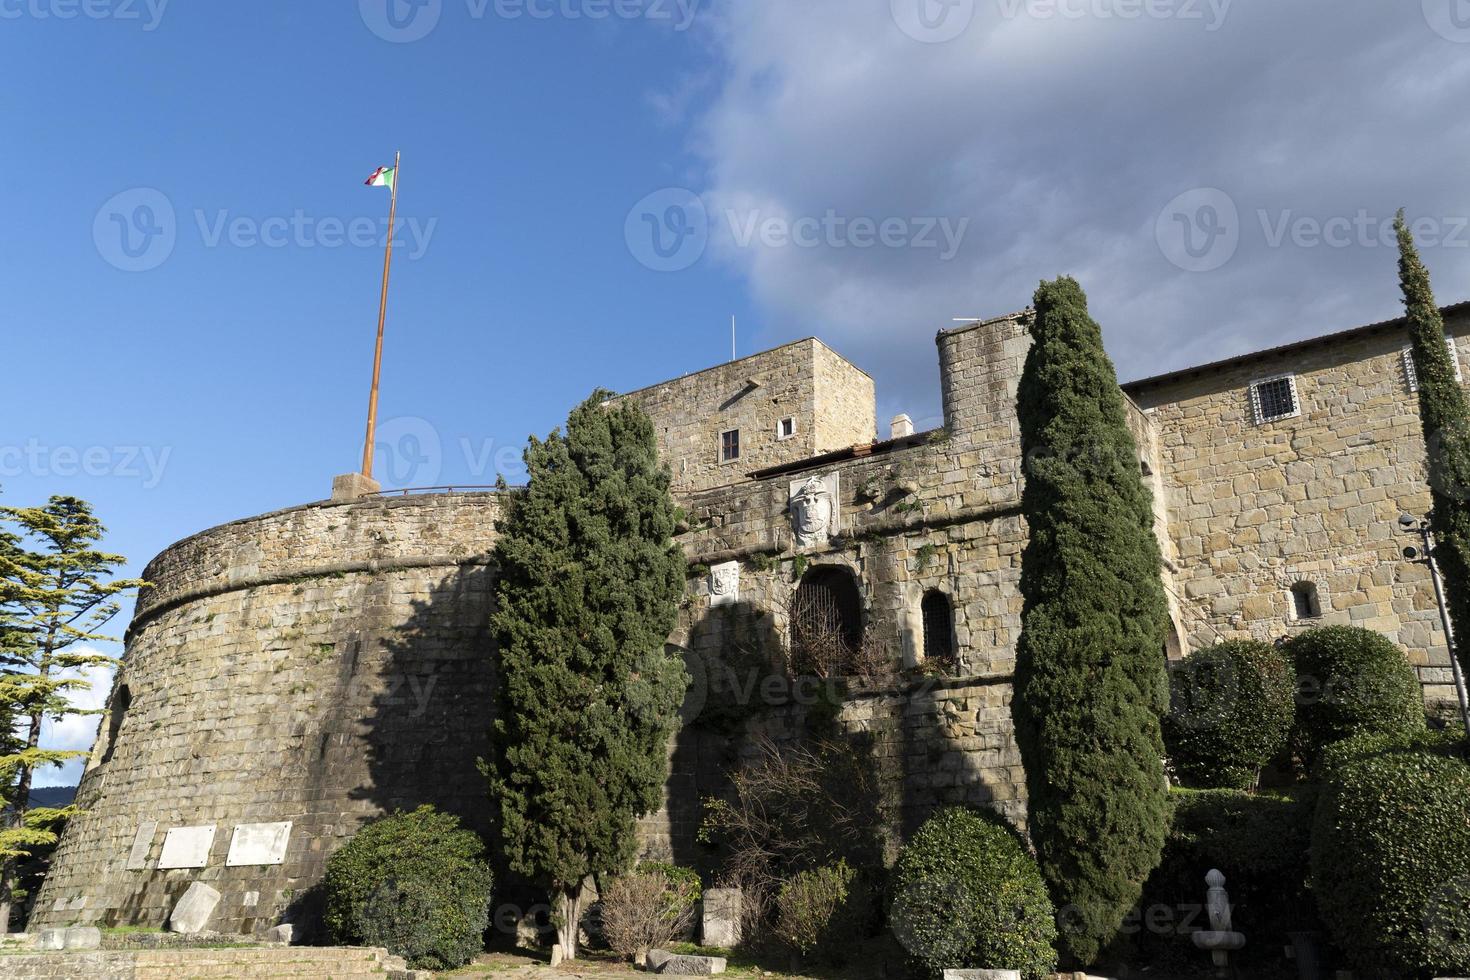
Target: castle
290 676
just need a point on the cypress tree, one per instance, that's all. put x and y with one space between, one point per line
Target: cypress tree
588 590
1445 414
1090 685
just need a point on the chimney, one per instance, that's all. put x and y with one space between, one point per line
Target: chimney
902 426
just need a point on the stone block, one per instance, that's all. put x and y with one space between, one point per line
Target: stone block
720 921
353 486
49 939
192 913
662 961
81 937
982 975
557 955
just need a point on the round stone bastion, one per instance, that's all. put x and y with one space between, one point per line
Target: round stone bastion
287 678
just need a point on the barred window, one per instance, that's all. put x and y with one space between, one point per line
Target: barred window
1275 398
938 627
1411 367
729 445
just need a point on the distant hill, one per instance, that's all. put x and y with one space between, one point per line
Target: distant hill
54 796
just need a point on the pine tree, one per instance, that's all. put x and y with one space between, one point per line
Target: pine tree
588 587
1090 685
53 601
1444 412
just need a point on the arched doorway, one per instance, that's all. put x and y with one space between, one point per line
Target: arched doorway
826 623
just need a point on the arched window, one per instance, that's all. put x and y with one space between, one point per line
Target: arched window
938 618
121 701
1305 603
826 623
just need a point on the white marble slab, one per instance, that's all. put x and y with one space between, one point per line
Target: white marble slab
142 843
259 843
187 847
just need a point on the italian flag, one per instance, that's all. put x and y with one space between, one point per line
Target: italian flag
382 177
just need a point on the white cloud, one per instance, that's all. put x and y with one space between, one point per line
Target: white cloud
75 732
1062 139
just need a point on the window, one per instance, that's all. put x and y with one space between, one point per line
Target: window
1411 369
1305 603
730 446
1275 398
786 428
826 618
938 627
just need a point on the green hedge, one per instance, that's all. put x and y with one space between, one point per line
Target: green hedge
416 883
966 893
1260 843
1352 682
825 913
1231 709
1391 856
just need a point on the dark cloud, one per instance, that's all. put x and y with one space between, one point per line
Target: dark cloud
1058 133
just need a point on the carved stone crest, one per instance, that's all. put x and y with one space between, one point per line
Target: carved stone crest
724 584
814 510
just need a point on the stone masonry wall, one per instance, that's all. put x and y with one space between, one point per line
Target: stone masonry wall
1257 508
691 412
321 666
845 402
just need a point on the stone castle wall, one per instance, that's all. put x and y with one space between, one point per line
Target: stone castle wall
1257 508
330 663
321 666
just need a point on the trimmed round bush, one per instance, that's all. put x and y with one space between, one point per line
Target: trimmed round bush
1231 709
416 883
967 894
824 913
1352 681
1391 860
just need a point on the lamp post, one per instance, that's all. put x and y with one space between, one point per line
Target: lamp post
1410 523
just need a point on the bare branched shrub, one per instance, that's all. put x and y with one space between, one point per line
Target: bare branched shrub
797 807
646 910
825 645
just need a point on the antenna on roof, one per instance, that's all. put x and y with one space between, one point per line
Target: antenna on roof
732 337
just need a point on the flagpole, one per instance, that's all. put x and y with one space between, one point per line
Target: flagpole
372 419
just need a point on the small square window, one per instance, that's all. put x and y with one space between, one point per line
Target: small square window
786 428
1275 398
730 446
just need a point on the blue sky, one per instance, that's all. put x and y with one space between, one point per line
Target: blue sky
1218 174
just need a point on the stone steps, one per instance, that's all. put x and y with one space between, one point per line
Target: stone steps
250 963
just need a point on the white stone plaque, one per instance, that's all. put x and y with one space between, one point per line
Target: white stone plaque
187 847
816 512
259 843
724 584
142 843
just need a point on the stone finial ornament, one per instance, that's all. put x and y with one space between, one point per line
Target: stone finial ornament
1218 939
